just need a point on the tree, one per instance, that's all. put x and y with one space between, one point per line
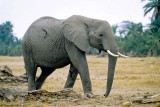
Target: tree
6 32
131 38
152 5
154 28
9 44
128 28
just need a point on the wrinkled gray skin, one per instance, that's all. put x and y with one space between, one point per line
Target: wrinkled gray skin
51 43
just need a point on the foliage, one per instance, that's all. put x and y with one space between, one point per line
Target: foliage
135 41
151 5
9 44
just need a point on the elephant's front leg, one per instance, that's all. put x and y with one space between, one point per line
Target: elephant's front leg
72 75
79 61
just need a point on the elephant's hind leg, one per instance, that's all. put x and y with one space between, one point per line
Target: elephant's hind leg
72 75
31 70
45 73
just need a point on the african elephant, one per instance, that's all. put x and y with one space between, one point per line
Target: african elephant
51 43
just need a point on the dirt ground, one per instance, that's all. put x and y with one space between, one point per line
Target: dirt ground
136 84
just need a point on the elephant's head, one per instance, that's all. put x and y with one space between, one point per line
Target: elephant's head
85 32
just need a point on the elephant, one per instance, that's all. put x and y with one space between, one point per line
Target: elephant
51 43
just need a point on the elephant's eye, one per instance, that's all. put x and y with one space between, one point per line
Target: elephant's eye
100 34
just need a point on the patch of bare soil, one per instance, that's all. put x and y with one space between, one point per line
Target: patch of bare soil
70 98
6 76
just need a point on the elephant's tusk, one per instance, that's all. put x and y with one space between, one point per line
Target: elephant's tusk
122 55
112 54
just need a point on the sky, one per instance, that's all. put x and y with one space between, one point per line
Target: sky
23 12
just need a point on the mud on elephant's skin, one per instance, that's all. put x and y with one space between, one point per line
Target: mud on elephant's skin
51 43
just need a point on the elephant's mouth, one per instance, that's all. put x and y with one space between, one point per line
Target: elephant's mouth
115 55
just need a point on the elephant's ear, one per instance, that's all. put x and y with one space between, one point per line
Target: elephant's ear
77 33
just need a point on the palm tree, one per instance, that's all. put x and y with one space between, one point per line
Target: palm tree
155 23
128 28
132 34
152 5
152 42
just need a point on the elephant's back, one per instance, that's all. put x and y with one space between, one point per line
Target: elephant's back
44 27
46 41
46 19
45 33
48 23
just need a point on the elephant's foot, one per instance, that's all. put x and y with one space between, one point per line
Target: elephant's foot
68 88
38 85
106 95
31 87
88 95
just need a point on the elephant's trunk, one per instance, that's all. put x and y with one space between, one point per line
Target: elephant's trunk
111 69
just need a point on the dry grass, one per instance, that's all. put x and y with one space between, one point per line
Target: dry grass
132 74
